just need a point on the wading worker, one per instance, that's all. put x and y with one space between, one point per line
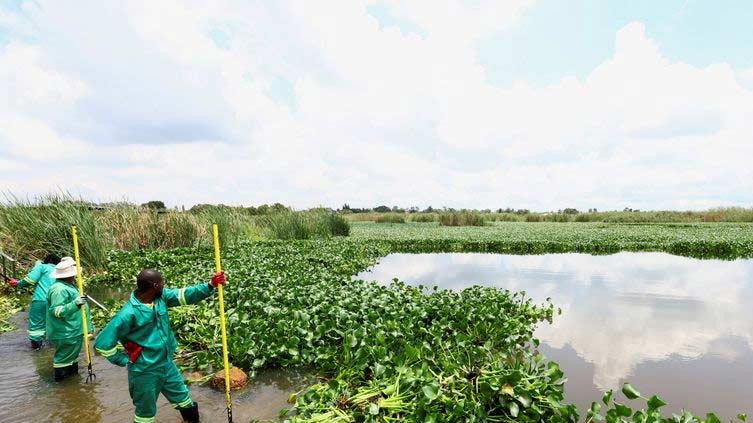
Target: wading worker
143 328
64 328
40 277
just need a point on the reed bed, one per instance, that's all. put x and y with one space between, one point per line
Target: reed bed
29 229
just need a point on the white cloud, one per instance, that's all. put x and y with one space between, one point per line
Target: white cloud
310 103
618 312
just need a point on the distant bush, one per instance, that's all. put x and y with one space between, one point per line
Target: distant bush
462 219
507 217
424 217
533 218
583 217
303 225
390 218
334 224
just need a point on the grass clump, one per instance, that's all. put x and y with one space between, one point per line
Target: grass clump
303 225
29 229
390 218
462 219
424 217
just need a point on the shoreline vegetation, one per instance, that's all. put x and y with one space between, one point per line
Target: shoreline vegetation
29 228
381 353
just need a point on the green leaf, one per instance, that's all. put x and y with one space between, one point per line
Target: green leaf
431 392
514 409
712 418
623 410
630 392
607 397
742 417
524 399
655 403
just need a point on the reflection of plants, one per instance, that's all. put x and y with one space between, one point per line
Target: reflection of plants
382 353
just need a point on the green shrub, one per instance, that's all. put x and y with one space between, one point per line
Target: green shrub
29 229
325 224
424 217
304 225
390 218
462 219
289 225
533 218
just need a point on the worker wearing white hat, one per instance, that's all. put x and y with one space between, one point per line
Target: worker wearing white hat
64 329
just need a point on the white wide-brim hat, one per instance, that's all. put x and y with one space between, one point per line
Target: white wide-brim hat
65 269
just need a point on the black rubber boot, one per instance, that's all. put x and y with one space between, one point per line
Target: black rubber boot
36 345
190 415
64 372
61 373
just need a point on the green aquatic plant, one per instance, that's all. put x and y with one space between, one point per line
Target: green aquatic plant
381 353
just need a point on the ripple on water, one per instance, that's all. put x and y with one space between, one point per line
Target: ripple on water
31 395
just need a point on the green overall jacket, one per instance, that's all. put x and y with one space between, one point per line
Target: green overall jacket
39 277
63 315
148 327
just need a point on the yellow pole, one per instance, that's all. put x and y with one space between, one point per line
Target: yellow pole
218 265
83 307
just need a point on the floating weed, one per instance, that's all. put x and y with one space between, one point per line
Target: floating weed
382 353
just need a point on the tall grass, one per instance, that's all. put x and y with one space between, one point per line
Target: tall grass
452 218
424 217
33 228
462 219
304 225
29 229
391 218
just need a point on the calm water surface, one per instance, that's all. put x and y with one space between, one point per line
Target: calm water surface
671 325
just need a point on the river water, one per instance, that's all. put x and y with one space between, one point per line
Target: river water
29 394
678 327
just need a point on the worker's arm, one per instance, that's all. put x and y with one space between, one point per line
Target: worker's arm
108 343
188 295
33 277
61 306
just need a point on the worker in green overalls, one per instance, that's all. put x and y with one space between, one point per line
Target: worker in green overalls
40 278
143 329
64 328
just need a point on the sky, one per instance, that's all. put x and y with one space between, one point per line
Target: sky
530 104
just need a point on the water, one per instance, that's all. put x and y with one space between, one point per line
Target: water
679 327
29 393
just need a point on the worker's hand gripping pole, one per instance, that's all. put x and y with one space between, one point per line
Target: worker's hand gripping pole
91 375
218 265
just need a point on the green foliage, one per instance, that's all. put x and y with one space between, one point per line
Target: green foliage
617 412
29 229
462 219
383 353
391 218
304 225
703 240
727 214
336 225
424 217
154 205
10 304
35 228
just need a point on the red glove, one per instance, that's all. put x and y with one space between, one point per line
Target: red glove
12 282
133 350
218 279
